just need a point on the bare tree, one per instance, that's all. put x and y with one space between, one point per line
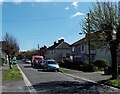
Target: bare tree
10 47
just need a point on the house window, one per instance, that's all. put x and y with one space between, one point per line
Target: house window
73 49
67 55
82 47
52 51
79 48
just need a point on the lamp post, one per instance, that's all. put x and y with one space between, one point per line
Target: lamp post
38 49
88 38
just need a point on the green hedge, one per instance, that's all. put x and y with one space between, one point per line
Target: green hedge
101 63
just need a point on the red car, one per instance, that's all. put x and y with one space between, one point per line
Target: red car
37 61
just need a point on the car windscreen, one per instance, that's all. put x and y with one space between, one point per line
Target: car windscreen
52 62
38 59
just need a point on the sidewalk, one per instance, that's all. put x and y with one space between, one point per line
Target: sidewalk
94 76
91 77
9 86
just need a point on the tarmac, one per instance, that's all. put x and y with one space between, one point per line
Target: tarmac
18 86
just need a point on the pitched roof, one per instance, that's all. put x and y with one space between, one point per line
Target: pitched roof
79 42
60 45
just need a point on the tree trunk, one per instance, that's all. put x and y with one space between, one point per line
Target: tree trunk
113 48
9 62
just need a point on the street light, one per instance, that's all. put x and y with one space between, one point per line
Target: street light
38 49
89 46
88 37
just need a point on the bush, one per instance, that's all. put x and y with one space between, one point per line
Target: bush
101 63
89 67
65 60
4 60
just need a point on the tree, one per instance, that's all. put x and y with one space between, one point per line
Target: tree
28 54
10 47
104 29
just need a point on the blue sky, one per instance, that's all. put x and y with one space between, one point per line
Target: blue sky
42 23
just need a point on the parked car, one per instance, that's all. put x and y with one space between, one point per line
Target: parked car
36 61
23 59
50 65
14 61
27 61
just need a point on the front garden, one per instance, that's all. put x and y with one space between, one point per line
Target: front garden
97 65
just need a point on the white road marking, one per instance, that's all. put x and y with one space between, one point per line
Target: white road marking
31 89
90 81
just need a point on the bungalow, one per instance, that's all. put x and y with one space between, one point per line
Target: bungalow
80 53
58 50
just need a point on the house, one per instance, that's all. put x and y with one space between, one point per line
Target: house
43 50
58 50
2 53
80 52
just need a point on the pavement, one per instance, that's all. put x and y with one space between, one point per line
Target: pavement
93 76
20 87
13 86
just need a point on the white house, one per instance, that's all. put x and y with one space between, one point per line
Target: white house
58 51
80 52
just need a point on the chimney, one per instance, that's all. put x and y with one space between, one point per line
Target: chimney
55 43
59 41
62 40
45 47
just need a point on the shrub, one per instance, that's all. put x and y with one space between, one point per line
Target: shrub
101 63
4 60
89 67
66 59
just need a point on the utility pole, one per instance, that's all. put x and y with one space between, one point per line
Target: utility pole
38 49
89 37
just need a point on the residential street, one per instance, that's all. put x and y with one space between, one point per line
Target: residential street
54 46
57 82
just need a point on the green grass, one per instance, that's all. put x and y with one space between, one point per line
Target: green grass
14 66
113 82
12 74
63 70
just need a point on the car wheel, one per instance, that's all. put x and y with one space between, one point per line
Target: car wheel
57 70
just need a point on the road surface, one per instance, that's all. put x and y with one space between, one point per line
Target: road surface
57 82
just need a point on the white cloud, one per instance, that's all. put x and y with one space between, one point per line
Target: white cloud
60 38
75 4
1 1
77 14
67 8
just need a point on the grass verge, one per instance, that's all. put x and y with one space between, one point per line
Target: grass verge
69 70
112 82
12 74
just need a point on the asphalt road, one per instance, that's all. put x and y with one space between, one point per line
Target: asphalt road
57 82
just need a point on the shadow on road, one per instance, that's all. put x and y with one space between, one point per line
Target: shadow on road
68 87
41 70
27 66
